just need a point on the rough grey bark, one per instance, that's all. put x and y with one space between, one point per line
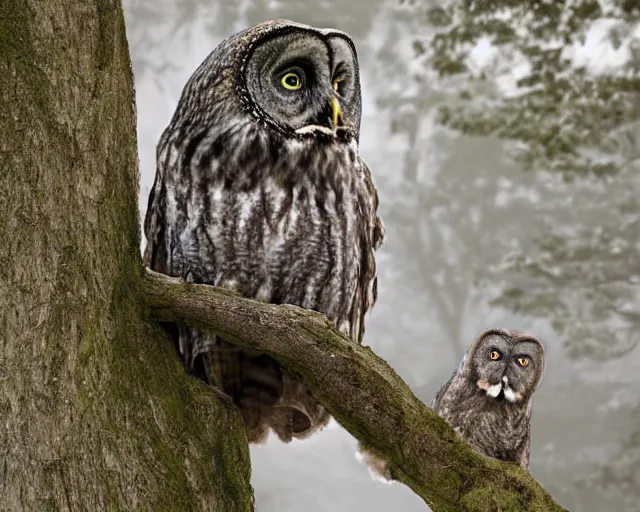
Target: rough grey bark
363 393
96 411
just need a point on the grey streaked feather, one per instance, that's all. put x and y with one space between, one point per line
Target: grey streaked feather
493 426
240 201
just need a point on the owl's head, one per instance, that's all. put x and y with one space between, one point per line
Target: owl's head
505 365
301 80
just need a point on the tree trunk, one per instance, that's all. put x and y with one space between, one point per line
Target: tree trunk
97 412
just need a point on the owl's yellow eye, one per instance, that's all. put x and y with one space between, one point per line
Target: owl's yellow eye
494 355
291 81
336 84
523 361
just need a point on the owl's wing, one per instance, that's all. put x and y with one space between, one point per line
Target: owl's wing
183 135
526 449
155 256
373 236
377 227
435 403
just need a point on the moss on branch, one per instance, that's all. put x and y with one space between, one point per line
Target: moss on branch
362 392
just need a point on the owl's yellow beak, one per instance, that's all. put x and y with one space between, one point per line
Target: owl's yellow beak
336 112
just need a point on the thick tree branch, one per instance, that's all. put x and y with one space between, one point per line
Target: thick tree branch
362 392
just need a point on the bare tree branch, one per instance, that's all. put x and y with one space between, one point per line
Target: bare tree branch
362 392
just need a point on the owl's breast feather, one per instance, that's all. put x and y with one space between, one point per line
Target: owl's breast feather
295 236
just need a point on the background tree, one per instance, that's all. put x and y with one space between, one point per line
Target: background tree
559 83
538 75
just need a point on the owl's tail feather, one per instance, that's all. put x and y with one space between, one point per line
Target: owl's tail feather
268 397
297 414
253 381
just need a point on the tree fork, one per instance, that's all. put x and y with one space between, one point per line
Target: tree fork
362 392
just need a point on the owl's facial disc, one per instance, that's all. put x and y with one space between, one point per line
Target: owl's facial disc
306 82
504 368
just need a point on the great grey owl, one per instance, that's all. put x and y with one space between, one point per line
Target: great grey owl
260 188
488 399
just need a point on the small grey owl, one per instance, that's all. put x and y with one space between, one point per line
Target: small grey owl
260 189
488 399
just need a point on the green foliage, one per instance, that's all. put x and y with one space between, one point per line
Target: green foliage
518 70
564 115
